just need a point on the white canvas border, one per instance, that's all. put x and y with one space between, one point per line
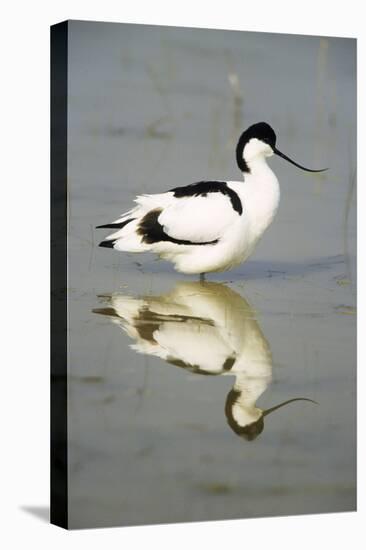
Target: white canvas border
25 266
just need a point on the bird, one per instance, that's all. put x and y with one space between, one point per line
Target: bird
206 329
207 226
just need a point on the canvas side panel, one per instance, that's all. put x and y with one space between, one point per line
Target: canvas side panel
59 492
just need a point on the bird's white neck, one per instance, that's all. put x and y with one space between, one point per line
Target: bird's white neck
261 194
257 166
250 389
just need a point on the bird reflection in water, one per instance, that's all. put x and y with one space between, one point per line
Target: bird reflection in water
205 328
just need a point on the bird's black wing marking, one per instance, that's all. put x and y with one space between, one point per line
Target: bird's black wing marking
117 225
107 244
152 231
229 363
203 188
196 369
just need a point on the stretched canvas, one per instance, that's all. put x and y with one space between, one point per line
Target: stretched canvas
179 397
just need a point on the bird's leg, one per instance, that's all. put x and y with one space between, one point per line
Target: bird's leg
202 277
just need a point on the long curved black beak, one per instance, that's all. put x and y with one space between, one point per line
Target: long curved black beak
277 152
269 411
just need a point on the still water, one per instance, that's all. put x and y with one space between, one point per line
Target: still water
174 385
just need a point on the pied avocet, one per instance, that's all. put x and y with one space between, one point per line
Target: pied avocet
204 328
209 225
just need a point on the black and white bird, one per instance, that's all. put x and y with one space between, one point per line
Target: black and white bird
206 329
209 225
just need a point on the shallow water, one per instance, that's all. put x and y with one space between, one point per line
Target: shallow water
151 432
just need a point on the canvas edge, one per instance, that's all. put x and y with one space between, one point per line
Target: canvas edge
58 301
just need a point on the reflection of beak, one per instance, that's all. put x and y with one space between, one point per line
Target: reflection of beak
277 152
269 411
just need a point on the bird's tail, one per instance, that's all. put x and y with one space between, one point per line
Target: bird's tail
127 236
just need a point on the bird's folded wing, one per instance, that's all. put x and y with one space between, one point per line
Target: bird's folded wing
198 219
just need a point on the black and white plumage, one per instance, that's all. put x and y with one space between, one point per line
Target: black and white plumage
209 225
206 329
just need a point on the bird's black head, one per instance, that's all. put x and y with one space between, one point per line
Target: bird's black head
261 131
259 140
249 431
265 138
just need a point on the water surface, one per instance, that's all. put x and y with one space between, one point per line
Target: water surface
158 362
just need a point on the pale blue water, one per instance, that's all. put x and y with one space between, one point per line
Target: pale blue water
151 108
